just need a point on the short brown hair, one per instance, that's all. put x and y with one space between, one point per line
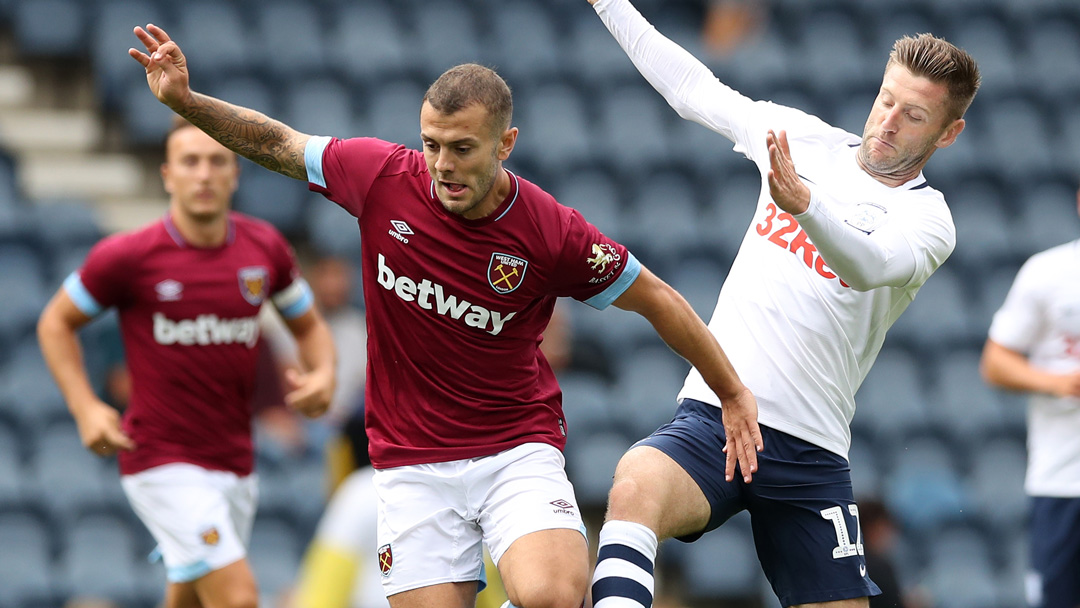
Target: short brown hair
469 83
942 62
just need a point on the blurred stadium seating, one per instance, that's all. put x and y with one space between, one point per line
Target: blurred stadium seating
944 451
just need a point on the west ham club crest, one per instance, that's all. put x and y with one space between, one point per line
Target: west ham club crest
505 272
386 560
254 282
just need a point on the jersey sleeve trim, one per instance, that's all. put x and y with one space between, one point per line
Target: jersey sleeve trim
629 274
80 295
294 300
313 154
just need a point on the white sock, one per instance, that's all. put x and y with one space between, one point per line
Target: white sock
624 566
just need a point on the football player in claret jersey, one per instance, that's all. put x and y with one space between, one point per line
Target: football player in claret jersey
188 289
462 264
845 232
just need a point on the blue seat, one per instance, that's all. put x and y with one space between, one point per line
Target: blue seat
923 487
26 574
98 558
698 279
962 403
11 464
321 106
983 235
987 38
642 147
1015 135
525 43
960 572
586 405
591 466
68 223
65 474
648 380
592 56
709 571
332 230
997 482
891 399
939 315
247 91
1052 58
52 28
28 392
831 53
596 196
730 205
1048 216
214 39
664 214
760 65
273 197
394 112
368 44
434 22
555 127
274 556
111 37
291 37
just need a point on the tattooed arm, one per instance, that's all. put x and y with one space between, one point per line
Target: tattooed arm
250 134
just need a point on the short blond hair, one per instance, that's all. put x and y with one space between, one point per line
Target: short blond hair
942 62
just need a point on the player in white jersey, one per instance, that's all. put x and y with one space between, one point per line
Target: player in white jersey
845 232
1034 346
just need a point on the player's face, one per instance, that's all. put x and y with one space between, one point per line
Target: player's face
199 173
907 123
464 157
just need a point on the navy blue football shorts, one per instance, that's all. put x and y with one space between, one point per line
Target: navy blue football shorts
1054 542
802 510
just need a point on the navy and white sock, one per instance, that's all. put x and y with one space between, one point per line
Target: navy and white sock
624 566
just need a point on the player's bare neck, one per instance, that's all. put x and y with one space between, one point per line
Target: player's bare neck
494 198
201 233
889 179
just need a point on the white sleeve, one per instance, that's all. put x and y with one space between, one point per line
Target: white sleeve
686 83
868 249
1017 323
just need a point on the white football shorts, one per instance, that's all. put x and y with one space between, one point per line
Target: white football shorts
201 519
434 519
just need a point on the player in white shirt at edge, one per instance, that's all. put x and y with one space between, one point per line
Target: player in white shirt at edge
845 232
1034 346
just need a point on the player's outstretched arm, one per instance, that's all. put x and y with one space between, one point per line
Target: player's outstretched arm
684 331
98 423
250 134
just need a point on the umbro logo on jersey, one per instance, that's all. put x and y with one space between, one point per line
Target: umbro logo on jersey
432 296
399 230
169 290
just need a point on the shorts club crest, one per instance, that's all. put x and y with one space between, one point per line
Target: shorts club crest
386 560
210 536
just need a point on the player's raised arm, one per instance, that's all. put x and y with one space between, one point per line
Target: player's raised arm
250 134
683 330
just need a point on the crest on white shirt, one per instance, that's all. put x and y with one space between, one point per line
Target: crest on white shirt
867 217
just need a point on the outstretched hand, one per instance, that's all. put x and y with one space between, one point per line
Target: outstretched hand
99 429
743 435
165 64
786 188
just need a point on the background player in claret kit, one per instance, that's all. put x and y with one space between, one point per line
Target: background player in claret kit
1034 346
845 233
462 263
188 289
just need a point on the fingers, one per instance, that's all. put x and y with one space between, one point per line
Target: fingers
148 41
139 56
293 378
730 458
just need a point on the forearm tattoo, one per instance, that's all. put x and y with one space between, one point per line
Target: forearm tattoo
250 134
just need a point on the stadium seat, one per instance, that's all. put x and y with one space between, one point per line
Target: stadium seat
280 200
331 229
27 391
831 55
730 205
591 467
1048 216
368 44
64 474
648 381
983 235
23 283
321 106
274 556
247 91
216 40
923 488
596 196
98 558
960 402
960 572
27 574
63 224
554 127
698 279
525 43
11 463
50 28
759 65
639 149
663 214
987 38
997 482
719 566
586 405
436 56
592 57
1016 137
111 37
892 398
938 316
394 113
1052 57
288 37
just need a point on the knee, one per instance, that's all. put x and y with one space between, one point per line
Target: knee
552 594
629 500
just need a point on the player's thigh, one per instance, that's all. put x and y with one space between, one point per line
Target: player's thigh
806 524
200 519
1054 538
448 595
181 595
426 533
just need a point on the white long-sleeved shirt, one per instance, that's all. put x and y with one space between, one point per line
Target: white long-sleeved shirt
806 305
